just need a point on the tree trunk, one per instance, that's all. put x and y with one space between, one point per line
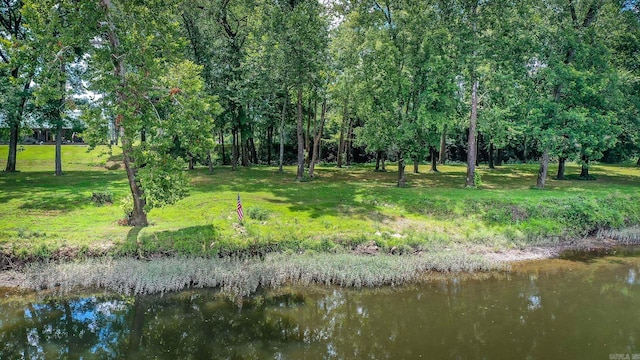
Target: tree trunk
14 126
284 114
341 142
499 157
348 143
542 172
478 138
317 138
638 163
210 162
234 148
584 174
138 216
269 144
434 160
254 153
471 154
416 166
443 146
524 153
378 158
402 182
246 154
58 161
300 173
561 168
384 158
224 157
13 145
307 142
491 153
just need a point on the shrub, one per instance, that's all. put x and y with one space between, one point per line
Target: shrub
258 213
112 165
102 197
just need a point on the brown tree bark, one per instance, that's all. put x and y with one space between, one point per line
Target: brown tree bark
13 145
138 216
471 154
561 168
434 160
234 148
14 125
58 161
402 182
542 171
584 174
300 172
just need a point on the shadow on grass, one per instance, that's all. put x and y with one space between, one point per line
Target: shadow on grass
43 190
194 240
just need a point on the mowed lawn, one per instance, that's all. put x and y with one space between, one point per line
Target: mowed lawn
41 214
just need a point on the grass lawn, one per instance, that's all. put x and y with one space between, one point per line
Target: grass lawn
42 215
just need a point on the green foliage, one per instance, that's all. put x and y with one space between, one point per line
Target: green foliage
163 179
102 197
477 179
258 213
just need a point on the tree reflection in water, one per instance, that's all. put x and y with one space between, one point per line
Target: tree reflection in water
553 309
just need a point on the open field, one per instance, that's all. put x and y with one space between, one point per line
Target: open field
342 209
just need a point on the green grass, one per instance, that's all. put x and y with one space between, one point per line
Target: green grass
42 215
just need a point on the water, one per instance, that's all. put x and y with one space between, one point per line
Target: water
583 307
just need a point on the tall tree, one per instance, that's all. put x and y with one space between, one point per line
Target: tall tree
17 68
57 31
150 90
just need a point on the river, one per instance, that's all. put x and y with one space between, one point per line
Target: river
581 307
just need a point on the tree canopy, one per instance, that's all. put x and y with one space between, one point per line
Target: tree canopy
337 81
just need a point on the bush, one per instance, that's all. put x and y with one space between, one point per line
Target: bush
112 165
102 197
258 213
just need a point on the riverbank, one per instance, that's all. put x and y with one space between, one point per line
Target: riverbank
244 276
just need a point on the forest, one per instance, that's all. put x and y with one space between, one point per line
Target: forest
180 83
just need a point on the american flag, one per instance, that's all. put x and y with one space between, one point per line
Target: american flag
239 209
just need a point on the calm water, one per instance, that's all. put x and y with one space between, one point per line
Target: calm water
585 308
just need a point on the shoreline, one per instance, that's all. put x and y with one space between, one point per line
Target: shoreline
367 257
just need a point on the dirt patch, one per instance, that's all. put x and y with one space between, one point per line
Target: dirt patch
368 248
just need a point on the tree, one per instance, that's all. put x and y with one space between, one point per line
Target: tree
57 31
567 67
17 69
157 99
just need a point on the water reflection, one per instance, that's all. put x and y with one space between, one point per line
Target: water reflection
556 309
